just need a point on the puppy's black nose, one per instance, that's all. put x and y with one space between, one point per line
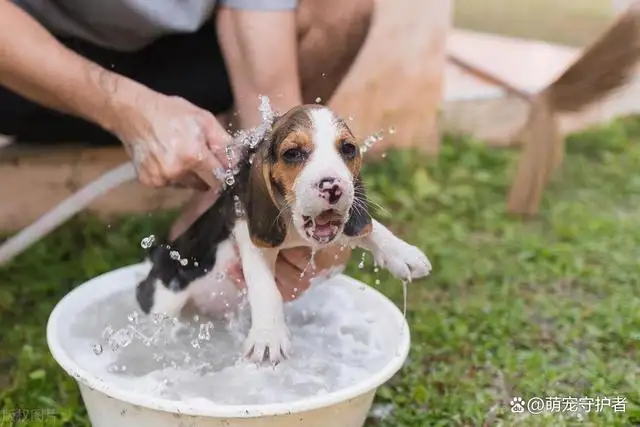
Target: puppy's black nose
330 189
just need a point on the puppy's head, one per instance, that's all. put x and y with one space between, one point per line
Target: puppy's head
306 174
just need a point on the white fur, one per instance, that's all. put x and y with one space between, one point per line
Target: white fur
212 293
403 260
268 328
167 301
324 162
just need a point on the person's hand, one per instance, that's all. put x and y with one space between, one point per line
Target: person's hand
295 271
171 141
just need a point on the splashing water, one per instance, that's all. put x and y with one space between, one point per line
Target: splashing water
97 349
371 140
147 242
338 340
245 138
252 137
237 206
361 265
312 262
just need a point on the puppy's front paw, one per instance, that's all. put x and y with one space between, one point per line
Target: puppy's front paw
404 261
268 343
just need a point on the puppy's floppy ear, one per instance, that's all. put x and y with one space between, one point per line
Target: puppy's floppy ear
359 222
266 226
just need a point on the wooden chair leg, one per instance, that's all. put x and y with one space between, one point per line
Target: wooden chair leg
539 158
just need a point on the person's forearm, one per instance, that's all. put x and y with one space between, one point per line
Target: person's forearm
36 66
260 50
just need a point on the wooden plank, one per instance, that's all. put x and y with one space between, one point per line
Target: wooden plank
36 180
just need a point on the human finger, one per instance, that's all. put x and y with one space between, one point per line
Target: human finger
205 167
218 139
191 180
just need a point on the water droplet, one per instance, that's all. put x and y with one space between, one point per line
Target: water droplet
230 180
350 118
133 317
175 255
377 281
204 334
371 140
392 130
184 262
195 344
123 368
195 263
107 332
324 74
97 349
196 318
158 318
376 269
237 205
361 265
318 100
120 339
147 242
383 155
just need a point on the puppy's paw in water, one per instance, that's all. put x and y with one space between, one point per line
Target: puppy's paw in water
272 344
404 261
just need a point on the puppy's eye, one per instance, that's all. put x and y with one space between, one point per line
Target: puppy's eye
294 155
348 149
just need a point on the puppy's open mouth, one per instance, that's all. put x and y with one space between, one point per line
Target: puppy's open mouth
324 227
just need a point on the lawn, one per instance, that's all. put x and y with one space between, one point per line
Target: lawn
547 307
570 22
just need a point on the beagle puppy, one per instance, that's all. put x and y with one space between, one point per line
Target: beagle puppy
299 186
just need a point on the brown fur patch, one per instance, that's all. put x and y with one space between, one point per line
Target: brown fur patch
285 174
292 131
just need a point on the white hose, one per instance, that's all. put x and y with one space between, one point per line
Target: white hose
65 210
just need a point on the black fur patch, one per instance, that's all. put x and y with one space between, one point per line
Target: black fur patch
359 217
198 244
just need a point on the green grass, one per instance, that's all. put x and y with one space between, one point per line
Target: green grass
570 22
538 308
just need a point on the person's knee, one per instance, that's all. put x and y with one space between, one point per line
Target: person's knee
337 24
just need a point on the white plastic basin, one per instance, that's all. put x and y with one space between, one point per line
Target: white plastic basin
111 406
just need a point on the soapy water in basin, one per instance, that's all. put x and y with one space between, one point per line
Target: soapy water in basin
336 343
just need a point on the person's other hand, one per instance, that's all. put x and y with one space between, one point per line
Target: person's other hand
293 262
295 269
171 141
